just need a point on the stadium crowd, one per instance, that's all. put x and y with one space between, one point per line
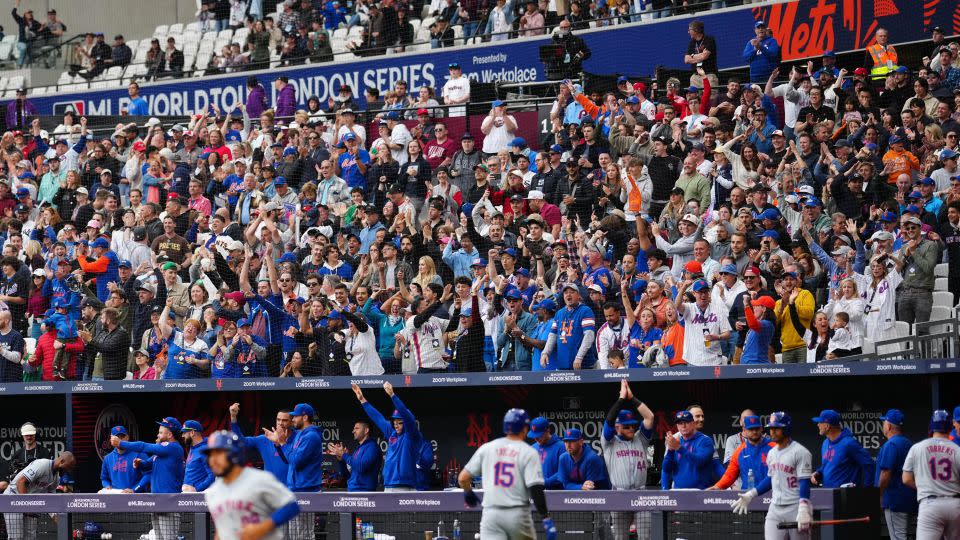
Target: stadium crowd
689 226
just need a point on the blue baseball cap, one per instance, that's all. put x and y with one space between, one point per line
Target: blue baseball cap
289 151
947 153
279 181
894 140
912 209
124 264
829 54
512 294
522 272
729 269
518 142
770 213
100 242
752 422
192 425
770 234
889 217
538 426
572 434
622 78
633 100
556 149
894 416
392 115
902 69
828 416
794 275
466 312
511 252
396 415
956 414
700 285
760 24
116 431
682 417
243 322
479 262
812 202
303 409
348 137
171 423
915 195
547 304
287 258
627 418
927 181
498 103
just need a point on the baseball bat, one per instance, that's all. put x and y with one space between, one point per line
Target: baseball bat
794 525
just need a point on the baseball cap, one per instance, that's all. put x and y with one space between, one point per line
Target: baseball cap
535 195
303 409
479 262
512 294
572 434
700 285
888 216
496 103
192 425
956 414
118 430
169 266
124 263
913 220
570 285
690 218
100 242
770 234
633 100
547 304
627 417
694 267
843 250
764 301
752 421
682 417
894 416
538 426
28 429
171 423
729 269
881 236
828 416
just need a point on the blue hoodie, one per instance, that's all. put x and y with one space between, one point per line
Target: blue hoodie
844 462
403 449
590 466
306 461
118 472
167 467
691 465
364 466
273 460
425 466
550 460
897 497
197 472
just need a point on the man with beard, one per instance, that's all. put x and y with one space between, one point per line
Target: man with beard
306 465
245 502
362 466
272 453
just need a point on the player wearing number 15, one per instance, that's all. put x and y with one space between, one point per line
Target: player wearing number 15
933 468
511 477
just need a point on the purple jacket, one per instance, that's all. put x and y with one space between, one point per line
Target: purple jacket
29 109
286 102
256 101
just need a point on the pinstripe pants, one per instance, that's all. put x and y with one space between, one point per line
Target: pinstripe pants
166 526
621 524
302 527
22 526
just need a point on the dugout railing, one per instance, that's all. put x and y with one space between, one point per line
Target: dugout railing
578 514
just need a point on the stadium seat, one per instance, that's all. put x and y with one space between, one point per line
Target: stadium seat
943 298
339 33
161 31
940 284
132 43
205 47
176 28
220 44
901 329
12 84
225 34
941 270
193 27
113 74
5 49
65 78
940 313
240 36
457 35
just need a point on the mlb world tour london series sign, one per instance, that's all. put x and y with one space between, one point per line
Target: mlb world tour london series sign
804 28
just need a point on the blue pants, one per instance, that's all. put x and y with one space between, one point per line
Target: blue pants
729 346
470 29
489 354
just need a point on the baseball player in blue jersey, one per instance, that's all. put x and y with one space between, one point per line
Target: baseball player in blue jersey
362 466
425 460
955 433
118 474
932 468
512 476
166 471
788 467
688 463
305 473
898 501
572 333
197 475
244 503
549 447
580 466
274 454
844 461
749 458
404 441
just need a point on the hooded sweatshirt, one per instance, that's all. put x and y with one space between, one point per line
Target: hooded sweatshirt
844 461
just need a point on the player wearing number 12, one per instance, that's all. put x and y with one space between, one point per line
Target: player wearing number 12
512 475
932 467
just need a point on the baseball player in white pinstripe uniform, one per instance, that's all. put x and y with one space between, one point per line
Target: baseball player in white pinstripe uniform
625 442
932 468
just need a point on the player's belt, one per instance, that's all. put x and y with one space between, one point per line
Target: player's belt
954 496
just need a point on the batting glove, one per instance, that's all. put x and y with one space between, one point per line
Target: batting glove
804 515
470 497
550 528
740 505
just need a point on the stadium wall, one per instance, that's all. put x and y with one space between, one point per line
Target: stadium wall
134 19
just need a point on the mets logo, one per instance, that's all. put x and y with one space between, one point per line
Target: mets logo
113 415
219 384
716 372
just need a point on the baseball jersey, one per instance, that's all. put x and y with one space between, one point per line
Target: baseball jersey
786 467
251 498
424 346
609 338
508 469
41 477
569 325
626 460
935 464
697 323
878 303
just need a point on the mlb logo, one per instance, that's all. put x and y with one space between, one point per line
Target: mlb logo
63 107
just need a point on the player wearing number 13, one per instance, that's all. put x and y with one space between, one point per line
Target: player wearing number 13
933 468
511 477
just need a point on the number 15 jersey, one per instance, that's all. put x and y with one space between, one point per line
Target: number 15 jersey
508 469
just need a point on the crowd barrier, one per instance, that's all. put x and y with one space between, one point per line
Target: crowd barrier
673 514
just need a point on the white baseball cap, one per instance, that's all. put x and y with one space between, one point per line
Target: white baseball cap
535 195
28 429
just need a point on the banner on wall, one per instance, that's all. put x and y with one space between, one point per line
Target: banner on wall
805 28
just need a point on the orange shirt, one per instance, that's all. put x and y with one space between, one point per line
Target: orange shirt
900 163
674 338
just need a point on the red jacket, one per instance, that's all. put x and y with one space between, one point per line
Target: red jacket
45 354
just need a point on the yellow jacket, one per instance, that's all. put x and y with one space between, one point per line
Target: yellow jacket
806 307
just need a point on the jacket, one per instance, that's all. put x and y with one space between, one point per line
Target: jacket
844 462
746 458
762 60
550 454
590 466
256 101
286 101
522 354
45 353
113 347
306 461
403 449
118 472
273 456
459 261
362 466
197 472
167 467
691 465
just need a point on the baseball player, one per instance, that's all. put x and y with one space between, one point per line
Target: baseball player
272 453
166 471
404 441
40 476
117 474
749 459
843 461
512 475
788 470
955 434
897 500
933 469
550 448
625 441
244 502
305 473
197 475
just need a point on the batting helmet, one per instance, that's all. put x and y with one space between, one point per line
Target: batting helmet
226 440
514 421
940 421
91 530
780 419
